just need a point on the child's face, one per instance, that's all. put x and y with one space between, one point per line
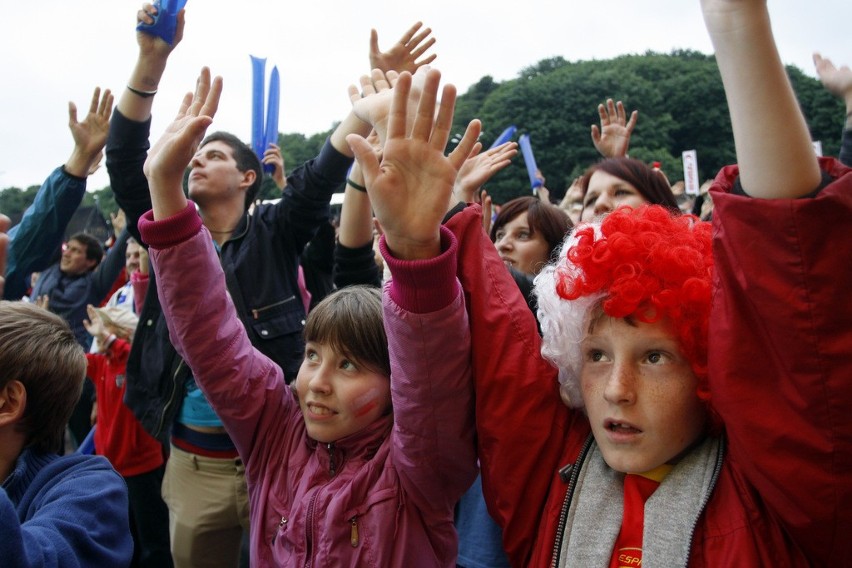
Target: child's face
640 394
337 397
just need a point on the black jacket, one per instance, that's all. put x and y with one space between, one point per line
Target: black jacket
260 261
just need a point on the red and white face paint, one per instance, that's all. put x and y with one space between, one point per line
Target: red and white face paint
338 398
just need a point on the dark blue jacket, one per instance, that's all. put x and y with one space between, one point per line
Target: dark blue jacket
68 511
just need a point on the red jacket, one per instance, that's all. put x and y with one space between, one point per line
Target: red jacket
780 377
119 436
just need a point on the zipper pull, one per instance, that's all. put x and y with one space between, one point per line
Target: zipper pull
331 465
353 533
280 526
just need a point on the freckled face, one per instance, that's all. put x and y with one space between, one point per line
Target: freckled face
640 394
337 396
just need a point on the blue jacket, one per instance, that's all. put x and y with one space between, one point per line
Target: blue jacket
37 237
260 261
68 511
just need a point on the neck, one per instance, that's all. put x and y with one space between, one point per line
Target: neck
221 219
11 446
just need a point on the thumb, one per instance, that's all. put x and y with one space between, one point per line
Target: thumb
365 156
72 113
596 133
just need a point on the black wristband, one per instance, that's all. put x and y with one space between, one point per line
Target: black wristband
143 94
355 185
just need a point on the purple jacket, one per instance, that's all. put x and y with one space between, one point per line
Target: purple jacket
389 500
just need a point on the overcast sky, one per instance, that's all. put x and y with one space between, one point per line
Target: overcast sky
54 51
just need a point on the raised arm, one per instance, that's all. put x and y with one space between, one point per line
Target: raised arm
138 97
775 156
354 258
37 237
433 448
130 126
780 276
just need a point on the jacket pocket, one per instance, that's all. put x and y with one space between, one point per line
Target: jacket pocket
374 520
278 319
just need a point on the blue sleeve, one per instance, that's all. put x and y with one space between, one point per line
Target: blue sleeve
80 521
36 238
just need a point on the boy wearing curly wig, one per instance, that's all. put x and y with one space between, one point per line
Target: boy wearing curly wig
706 372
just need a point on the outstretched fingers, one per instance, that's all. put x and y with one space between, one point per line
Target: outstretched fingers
467 143
205 102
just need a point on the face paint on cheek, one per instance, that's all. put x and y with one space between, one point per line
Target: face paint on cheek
365 403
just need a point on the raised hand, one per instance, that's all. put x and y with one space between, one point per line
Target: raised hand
410 189
404 53
273 156
89 135
478 168
153 45
169 157
836 80
118 221
612 139
95 325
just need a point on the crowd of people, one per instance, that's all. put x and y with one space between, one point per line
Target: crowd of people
625 378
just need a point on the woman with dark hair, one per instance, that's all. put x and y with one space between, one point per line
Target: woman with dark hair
527 231
614 182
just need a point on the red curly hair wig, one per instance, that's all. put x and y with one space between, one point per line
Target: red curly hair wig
650 265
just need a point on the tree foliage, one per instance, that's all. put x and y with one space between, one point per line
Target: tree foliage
681 105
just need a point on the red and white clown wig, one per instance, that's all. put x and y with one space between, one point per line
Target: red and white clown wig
645 264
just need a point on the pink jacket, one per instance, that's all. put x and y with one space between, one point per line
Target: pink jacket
381 497
780 378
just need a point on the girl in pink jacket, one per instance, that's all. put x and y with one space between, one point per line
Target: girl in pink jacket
362 464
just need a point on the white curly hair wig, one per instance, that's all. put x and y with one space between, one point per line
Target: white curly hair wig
564 323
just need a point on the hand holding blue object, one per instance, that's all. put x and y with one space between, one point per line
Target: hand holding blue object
165 20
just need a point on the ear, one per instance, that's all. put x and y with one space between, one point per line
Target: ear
13 402
248 179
